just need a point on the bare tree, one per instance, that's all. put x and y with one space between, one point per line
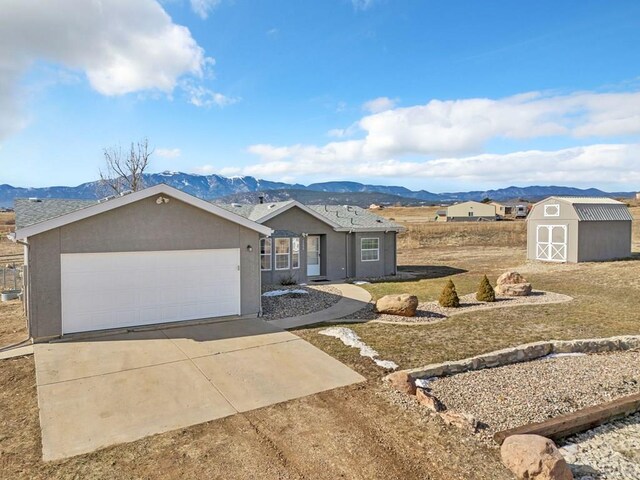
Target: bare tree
123 171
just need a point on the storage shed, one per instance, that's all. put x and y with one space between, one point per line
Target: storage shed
578 229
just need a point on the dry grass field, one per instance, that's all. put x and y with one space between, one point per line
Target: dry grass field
605 294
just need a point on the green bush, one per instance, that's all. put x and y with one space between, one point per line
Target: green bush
486 293
449 296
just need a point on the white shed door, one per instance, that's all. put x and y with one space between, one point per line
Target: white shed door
551 243
111 290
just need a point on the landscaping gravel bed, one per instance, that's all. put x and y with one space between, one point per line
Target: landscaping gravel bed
318 297
429 312
608 452
514 395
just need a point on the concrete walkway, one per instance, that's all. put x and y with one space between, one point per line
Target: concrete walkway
354 298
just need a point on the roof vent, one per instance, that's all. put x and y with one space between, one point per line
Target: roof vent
237 205
260 198
125 192
273 205
110 197
34 199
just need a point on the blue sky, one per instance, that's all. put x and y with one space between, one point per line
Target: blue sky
448 95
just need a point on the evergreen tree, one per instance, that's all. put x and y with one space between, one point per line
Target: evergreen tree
486 293
449 296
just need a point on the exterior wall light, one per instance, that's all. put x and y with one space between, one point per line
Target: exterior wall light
249 248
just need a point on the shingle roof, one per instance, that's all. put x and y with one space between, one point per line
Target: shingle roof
345 216
31 211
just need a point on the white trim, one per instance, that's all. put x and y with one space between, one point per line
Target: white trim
548 250
556 205
117 202
275 253
268 255
377 250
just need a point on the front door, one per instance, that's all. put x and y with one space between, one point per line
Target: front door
313 255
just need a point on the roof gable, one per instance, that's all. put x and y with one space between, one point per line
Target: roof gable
64 212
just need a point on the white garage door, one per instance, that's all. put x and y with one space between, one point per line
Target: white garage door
551 243
110 290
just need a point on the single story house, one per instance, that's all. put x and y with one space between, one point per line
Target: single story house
578 229
313 243
503 209
471 212
160 255
153 256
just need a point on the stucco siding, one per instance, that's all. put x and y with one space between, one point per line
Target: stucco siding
604 241
333 261
139 226
385 265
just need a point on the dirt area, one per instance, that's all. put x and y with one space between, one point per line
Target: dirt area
13 324
354 432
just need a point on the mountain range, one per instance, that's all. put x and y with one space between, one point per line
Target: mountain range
247 189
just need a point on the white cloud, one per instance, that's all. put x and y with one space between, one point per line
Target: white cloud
273 32
205 169
203 8
379 104
613 163
168 152
456 127
121 46
362 4
201 96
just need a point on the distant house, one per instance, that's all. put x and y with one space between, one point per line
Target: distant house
578 229
638 196
441 216
471 212
503 209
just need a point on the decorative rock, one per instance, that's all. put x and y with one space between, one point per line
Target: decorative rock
533 457
429 401
404 305
514 290
463 421
402 382
510 278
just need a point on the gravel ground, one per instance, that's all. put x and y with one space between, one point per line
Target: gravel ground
514 395
608 452
429 312
318 298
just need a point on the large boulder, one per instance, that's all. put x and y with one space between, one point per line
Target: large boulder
532 457
403 382
512 284
514 290
404 305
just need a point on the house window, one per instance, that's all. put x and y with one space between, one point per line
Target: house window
265 254
370 249
295 253
283 250
470 214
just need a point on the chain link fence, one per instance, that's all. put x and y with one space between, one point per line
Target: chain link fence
11 276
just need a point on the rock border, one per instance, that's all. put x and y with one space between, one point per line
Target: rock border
524 353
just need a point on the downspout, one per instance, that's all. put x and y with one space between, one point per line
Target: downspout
25 273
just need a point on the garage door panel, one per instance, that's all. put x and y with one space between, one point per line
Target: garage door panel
110 290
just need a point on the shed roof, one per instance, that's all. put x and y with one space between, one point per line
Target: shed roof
594 209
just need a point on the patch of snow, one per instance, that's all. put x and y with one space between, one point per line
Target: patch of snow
569 354
424 382
351 339
277 293
361 282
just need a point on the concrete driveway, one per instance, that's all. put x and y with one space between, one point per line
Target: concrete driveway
119 388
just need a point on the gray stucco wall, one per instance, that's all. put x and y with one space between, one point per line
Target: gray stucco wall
141 226
386 263
604 241
333 261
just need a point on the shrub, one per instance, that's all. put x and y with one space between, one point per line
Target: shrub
288 280
449 296
486 293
